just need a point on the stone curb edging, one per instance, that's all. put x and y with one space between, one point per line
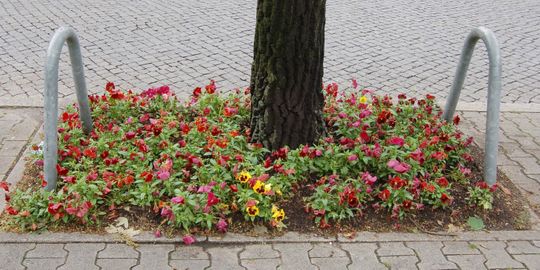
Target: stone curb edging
290 237
505 107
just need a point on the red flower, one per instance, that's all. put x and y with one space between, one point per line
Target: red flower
442 182
61 170
229 111
90 152
352 200
197 92
407 204
130 135
439 155
396 141
212 199
211 88
109 86
397 182
384 195
4 185
445 199
12 211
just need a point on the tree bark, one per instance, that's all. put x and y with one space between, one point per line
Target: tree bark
286 76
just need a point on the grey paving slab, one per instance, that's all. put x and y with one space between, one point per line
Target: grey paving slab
522 247
430 255
294 256
225 257
12 255
154 256
328 255
363 256
394 249
496 255
82 256
386 45
43 263
459 248
531 261
113 251
400 262
468 262
116 264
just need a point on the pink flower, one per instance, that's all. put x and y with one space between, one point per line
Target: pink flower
222 225
188 239
396 141
399 167
162 174
352 157
167 213
157 233
178 200
368 178
204 189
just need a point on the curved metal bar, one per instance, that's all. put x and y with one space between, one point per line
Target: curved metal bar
494 94
62 35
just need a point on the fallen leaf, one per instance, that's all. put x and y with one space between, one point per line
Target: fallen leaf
476 223
453 228
504 189
122 222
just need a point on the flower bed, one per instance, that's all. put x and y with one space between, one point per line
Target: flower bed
192 163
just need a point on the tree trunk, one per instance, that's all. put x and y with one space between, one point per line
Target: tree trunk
286 76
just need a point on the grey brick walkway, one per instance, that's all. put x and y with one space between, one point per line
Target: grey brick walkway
387 44
499 250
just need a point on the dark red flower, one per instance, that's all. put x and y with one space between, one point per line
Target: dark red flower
442 181
211 88
397 182
384 195
212 199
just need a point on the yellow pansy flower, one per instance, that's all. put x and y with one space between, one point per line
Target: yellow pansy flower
362 99
252 211
243 176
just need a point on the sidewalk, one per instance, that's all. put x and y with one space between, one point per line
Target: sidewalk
519 157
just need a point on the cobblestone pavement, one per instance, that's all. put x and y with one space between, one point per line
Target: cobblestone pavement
502 250
519 148
386 44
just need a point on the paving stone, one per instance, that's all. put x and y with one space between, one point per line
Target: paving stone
189 257
43 263
529 165
47 251
114 251
225 257
522 247
261 264
459 248
363 256
289 256
531 261
466 262
430 255
327 255
394 249
154 256
11 148
400 262
82 256
183 252
496 255
116 264
263 251
12 255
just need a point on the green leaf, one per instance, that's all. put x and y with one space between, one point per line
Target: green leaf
476 223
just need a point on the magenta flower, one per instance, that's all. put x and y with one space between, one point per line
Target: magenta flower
178 200
400 167
204 189
212 199
188 239
352 157
396 141
222 225
368 178
163 175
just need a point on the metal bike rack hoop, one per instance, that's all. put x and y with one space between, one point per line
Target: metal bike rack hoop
61 36
494 94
